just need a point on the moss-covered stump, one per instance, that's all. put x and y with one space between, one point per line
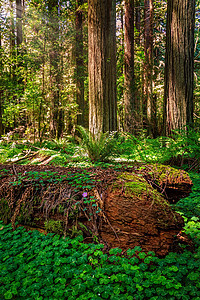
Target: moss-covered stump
123 208
139 215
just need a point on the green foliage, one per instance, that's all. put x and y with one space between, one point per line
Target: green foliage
60 151
35 266
55 226
99 148
182 146
11 150
182 149
190 206
192 228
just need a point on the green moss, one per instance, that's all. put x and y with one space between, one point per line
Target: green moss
5 211
137 186
54 226
161 173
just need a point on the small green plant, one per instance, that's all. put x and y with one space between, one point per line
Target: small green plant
99 148
190 206
55 226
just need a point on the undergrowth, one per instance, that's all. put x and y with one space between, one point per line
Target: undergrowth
38 266
182 149
35 266
101 147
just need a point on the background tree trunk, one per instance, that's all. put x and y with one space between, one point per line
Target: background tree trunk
12 41
129 91
137 21
19 11
54 68
102 66
179 65
79 63
148 64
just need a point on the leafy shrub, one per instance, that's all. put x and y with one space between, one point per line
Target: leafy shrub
188 141
190 206
10 151
144 149
62 145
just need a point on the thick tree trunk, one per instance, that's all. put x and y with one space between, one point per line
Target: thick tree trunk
179 66
79 63
129 92
148 64
102 66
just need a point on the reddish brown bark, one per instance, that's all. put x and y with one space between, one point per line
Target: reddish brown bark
179 66
56 122
148 64
79 63
102 66
129 92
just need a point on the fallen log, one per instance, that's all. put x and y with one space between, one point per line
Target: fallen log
124 208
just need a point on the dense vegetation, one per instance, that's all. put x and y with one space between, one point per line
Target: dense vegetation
38 266
35 266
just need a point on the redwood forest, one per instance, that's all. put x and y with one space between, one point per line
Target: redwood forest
99 149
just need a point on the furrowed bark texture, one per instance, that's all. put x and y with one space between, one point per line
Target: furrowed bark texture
178 99
79 63
148 65
129 92
102 66
54 55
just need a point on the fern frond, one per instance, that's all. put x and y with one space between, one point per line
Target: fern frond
97 148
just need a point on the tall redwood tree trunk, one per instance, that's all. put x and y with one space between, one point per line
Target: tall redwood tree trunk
79 63
179 66
55 128
102 66
129 91
148 64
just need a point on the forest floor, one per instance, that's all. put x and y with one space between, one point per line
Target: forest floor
37 180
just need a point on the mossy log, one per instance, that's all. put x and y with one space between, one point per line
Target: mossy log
139 215
123 208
